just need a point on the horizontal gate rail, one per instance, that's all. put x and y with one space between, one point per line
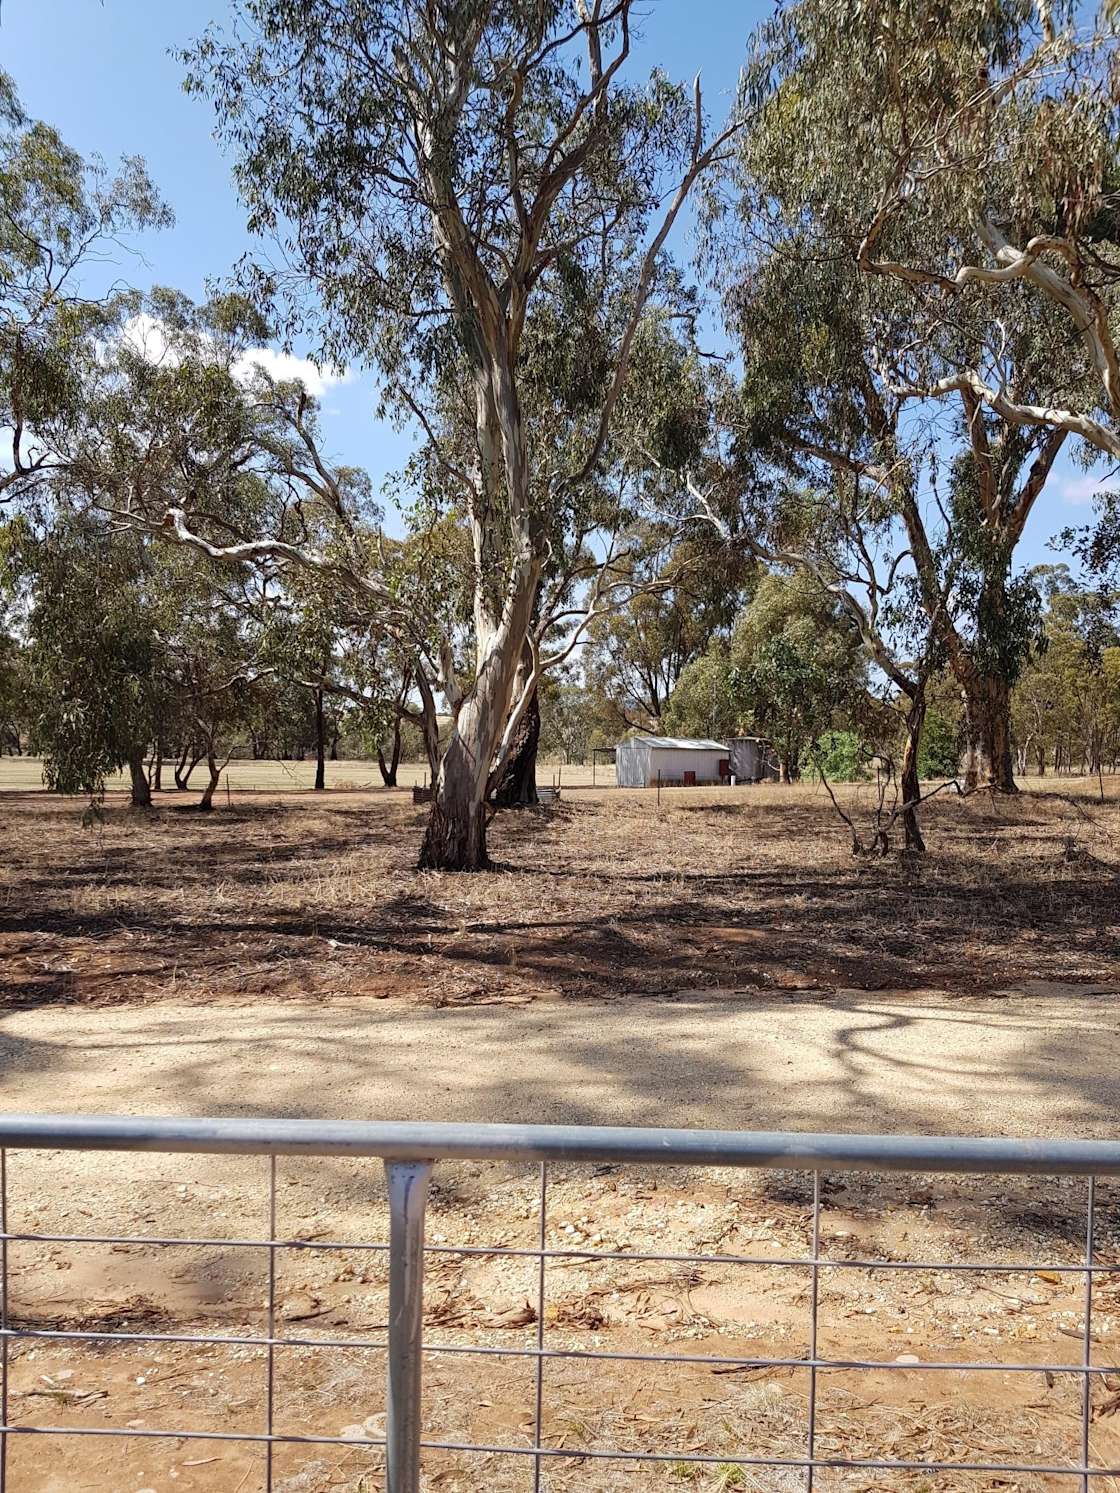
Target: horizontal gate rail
410 1151
399 1141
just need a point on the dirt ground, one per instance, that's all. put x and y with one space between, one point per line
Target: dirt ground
607 896
720 961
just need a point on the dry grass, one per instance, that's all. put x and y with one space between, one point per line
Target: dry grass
25 775
607 895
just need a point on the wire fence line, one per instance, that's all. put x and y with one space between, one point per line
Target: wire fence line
410 1153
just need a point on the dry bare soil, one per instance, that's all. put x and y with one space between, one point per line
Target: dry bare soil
720 960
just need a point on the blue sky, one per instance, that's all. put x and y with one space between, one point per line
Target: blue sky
100 70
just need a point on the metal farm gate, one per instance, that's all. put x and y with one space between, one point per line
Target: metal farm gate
411 1151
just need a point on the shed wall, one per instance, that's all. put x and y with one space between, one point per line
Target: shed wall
750 760
673 764
631 764
746 760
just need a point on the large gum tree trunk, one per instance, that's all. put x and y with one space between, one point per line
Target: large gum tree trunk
986 761
138 775
911 786
455 839
505 590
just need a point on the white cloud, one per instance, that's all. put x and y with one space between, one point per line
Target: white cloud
1079 492
149 337
283 366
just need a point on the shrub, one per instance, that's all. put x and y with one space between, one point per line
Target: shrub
841 755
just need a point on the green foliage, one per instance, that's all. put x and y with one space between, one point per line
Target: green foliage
570 717
58 215
899 153
638 654
324 110
939 751
704 702
92 655
841 755
791 670
1001 612
1066 707
13 691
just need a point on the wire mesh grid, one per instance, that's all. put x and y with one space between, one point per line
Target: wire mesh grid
403 1445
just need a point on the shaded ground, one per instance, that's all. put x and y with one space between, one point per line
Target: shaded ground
1018 1065
607 896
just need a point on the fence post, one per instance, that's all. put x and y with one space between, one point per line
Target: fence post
408 1192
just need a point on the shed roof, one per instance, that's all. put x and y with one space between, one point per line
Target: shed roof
678 743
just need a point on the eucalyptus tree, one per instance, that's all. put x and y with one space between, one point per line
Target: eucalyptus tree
392 738
1067 703
474 200
93 658
791 669
60 219
569 714
13 692
693 591
316 641
892 133
213 674
791 480
983 187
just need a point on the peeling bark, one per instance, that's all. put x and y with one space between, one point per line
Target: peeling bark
986 760
455 839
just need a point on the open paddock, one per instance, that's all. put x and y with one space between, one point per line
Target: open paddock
606 895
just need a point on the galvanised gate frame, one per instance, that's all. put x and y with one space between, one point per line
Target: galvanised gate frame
410 1151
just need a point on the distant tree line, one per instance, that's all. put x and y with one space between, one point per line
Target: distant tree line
779 490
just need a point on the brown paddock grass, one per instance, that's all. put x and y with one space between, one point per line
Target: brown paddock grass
607 895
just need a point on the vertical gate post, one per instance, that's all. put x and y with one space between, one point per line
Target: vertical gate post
408 1194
